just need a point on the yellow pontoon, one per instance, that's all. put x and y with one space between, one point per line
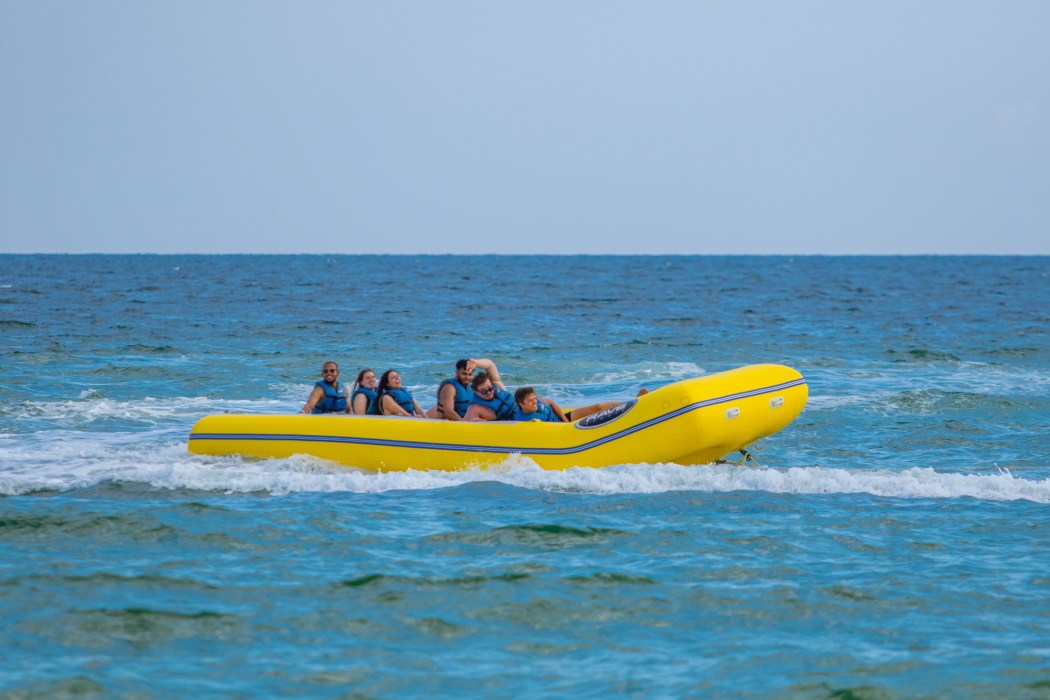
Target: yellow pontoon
695 421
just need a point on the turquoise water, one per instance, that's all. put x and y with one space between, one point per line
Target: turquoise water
893 544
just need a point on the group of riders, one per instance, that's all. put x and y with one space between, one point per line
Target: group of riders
474 393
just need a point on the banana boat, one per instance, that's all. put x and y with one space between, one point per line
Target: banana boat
695 421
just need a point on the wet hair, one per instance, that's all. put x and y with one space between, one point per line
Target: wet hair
384 381
360 376
521 393
479 379
381 389
462 364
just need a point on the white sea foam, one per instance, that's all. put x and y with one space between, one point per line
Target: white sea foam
662 372
93 406
70 444
829 402
291 392
877 382
909 483
921 392
71 464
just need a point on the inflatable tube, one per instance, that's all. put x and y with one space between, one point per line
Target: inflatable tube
696 421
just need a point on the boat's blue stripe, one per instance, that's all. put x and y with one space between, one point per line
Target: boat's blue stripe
501 450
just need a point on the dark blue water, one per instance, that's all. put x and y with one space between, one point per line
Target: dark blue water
894 543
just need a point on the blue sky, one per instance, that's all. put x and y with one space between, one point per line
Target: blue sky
525 127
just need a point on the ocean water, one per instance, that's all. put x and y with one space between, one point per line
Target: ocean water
893 542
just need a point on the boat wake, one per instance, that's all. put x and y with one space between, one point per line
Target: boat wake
170 468
92 441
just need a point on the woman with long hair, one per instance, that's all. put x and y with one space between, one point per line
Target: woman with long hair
363 394
392 399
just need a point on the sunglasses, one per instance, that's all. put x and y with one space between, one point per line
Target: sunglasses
487 390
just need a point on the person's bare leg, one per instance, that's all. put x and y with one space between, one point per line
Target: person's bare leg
582 411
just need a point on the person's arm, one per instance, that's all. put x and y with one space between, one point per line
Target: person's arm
556 408
477 412
360 404
392 408
420 413
315 397
490 367
447 403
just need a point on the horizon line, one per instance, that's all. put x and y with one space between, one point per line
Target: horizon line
558 255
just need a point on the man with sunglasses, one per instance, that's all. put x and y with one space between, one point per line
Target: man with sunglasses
328 395
454 395
490 400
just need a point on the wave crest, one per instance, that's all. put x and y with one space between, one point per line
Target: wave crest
171 468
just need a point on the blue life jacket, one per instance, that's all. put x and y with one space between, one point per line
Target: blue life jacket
370 394
462 400
334 400
543 413
501 403
402 397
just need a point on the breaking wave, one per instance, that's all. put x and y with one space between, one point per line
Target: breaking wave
73 466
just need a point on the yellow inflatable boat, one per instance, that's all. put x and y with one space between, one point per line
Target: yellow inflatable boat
695 421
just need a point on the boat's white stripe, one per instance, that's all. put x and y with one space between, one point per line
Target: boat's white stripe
412 444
